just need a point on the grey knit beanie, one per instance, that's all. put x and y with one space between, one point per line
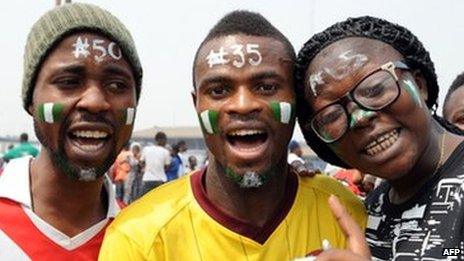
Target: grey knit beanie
64 20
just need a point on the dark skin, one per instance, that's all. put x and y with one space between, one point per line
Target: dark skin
85 88
241 96
413 158
407 166
453 109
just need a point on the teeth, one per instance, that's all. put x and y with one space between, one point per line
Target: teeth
382 143
90 134
90 147
245 132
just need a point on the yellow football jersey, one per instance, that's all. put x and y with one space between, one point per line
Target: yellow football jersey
178 222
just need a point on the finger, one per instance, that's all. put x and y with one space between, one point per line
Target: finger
355 236
358 177
301 170
340 255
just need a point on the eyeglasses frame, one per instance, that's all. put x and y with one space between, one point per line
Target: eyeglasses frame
388 67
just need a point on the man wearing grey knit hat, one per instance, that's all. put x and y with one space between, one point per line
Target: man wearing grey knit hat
81 85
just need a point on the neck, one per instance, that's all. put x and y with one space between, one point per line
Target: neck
431 159
252 205
70 206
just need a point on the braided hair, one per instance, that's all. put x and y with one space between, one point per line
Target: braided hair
397 36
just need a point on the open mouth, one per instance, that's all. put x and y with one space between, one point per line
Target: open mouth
382 142
247 140
88 140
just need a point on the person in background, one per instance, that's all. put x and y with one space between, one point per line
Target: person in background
192 164
453 107
182 145
156 160
294 156
295 153
122 169
176 163
135 176
23 149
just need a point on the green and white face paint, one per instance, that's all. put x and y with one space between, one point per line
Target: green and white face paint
128 116
358 115
413 92
209 121
50 112
283 111
327 135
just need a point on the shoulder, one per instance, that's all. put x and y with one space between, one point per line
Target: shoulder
323 186
17 167
326 185
142 220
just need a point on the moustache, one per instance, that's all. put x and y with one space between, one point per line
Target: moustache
92 118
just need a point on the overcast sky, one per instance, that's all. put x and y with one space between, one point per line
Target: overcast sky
167 34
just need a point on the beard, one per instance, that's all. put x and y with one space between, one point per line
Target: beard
250 179
61 161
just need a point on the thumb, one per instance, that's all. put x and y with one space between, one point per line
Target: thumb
355 236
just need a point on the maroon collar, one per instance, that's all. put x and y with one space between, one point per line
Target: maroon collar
258 234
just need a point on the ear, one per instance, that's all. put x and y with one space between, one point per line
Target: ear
30 109
193 93
421 84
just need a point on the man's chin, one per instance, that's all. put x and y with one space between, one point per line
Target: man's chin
80 173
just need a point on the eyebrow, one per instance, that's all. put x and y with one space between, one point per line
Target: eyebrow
266 75
117 70
73 68
215 79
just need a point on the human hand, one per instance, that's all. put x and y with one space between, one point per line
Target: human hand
357 248
301 170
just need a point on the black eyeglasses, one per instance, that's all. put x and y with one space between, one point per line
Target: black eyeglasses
374 92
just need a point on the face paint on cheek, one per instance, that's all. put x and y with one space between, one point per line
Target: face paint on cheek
413 92
209 121
358 115
283 112
127 116
50 112
326 135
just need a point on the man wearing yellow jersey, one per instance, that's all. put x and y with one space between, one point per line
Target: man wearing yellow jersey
246 204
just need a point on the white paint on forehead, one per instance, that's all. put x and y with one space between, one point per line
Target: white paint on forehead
81 47
217 58
348 62
239 55
315 79
100 48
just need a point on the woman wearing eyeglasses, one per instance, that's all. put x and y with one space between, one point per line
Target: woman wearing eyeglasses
367 99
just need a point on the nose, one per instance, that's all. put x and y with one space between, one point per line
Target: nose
243 102
358 117
93 99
